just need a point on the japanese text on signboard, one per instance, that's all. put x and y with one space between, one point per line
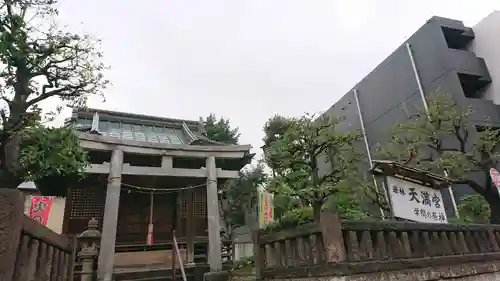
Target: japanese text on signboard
40 208
415 202
265 208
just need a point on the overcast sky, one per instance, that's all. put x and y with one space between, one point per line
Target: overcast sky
248 59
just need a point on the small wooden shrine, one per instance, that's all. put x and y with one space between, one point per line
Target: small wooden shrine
148 177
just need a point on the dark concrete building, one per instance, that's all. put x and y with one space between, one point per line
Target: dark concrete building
438 55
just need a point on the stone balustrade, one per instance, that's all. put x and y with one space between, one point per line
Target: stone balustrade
337 247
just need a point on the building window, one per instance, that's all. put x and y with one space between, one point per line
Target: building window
455 38
472 85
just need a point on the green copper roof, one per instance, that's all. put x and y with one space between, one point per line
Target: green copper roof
142 133
126 131
138 127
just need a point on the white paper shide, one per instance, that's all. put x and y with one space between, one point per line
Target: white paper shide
415 202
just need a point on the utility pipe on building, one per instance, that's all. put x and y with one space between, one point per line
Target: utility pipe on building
367 146
426 107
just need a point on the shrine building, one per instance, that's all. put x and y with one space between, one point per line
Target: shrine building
148 177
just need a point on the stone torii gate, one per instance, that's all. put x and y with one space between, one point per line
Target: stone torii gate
116 169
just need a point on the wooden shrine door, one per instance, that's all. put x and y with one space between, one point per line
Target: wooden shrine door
134 213
132 218
164 216
198 200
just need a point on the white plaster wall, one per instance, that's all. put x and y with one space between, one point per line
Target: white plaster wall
486 45
56 216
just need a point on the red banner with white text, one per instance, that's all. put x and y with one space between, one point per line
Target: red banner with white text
40 208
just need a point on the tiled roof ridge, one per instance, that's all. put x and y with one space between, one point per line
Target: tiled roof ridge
132 115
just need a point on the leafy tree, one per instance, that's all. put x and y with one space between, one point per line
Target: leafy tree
40 62
297 155
443 140
239 197
52 157
274 130
220 130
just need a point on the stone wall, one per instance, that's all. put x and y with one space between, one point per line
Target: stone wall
465 272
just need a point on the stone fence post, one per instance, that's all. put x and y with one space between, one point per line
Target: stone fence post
89 240
333 240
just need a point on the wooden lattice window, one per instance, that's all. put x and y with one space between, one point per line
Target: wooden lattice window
183 198
200 203
87 203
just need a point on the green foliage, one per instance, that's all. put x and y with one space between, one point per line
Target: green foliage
274 130
51 152
68 63
474 209
283 204
220 130
371 193
464 221
422 141
296 218
41 62
349 201
352 212
457 221
297 154
292 219
444 140
238 197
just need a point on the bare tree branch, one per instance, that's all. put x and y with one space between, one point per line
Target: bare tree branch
40 62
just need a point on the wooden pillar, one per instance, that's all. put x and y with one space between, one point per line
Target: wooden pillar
67 210
214 242
110 221
189 226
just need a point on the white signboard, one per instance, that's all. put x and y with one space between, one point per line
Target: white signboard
415 202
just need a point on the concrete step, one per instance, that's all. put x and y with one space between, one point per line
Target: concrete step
155 279
149 274
152 278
